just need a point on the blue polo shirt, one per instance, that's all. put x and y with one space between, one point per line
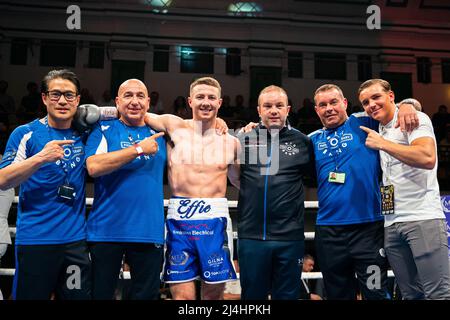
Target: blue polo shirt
343 149
42 216
129 202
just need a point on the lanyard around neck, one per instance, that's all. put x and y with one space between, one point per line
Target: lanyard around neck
64 162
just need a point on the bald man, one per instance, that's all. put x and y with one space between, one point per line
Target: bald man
127 160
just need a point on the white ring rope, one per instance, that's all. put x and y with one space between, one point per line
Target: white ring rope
231 204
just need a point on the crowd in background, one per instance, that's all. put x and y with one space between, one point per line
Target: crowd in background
236 113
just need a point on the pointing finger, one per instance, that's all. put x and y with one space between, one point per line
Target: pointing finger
365 129
63 142
157 135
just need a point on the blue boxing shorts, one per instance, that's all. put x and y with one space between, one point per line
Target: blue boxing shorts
199 241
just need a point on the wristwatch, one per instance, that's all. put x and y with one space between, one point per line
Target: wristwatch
139 149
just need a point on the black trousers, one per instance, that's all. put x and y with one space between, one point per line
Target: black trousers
270 267
145 260
62 269
346 250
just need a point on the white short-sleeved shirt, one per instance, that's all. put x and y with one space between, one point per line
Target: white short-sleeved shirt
416 191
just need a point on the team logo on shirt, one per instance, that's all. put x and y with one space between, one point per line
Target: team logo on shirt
126 144
335 143
289 148
71 152
72 156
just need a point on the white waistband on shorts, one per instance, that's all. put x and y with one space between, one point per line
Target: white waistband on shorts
197 208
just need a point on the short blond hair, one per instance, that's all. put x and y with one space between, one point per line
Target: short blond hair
328 87
206 81
273 88
383 83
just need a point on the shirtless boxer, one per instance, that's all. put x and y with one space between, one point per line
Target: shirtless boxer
199 241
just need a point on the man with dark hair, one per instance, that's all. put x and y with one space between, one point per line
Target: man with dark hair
349 226
415 231
46 158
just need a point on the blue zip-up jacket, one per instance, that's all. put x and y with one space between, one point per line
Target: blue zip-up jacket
271 197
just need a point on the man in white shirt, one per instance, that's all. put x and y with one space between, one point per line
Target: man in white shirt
415 228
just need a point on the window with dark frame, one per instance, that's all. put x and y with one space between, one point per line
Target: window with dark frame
19 51
445 64
96 55
423 70
330 66
364 67
197 60
233 61
161 58
295 65
58 53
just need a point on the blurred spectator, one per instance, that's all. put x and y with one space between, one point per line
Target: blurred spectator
7 105
308 121
440 122
30 103
353 108
107 99
248 114
4 135
306 288
181 108
293 114
156 105
307 110
86 97
226 112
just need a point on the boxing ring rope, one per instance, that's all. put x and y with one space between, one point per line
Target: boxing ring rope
231 204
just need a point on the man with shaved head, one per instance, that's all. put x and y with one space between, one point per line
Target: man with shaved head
127 160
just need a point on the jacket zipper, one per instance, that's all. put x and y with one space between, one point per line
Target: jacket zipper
266 182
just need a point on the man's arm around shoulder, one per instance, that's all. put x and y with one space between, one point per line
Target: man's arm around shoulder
234 170
165 122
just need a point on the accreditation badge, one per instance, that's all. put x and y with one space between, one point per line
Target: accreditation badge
336 177
387 199
66 192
